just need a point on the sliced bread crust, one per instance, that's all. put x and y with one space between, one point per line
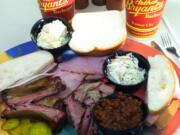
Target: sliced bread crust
161 83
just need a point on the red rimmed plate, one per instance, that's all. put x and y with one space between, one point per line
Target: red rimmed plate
130 45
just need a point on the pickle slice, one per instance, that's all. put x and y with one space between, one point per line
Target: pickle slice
25 121
40 128
2 131
25 126
16 131
10 124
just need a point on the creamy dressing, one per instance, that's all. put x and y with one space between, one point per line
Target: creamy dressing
53 35
125 70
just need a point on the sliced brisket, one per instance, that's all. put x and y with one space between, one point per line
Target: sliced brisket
94 77
84 126
88 65
83 91
75 111
106 89
71 80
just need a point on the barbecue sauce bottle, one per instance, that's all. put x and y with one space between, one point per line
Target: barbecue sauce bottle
81 4
115 4
99 2
57 8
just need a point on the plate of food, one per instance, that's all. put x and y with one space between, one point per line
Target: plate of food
100 84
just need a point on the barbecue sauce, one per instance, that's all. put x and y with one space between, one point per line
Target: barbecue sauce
57 8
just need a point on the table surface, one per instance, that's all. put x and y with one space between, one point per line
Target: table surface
17 19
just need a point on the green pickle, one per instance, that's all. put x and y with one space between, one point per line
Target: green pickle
10 124
16 131
40 128
26 127
25 121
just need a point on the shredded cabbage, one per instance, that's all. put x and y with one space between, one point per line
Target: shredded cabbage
125 70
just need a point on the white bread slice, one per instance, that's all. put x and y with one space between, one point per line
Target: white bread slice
98 31
161 83
23 67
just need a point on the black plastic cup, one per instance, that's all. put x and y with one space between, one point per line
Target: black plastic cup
137 130
143 63
36 29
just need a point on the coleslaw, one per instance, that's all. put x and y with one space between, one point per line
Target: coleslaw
125 70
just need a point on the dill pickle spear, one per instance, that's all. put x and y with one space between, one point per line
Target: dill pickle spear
10 124
40 128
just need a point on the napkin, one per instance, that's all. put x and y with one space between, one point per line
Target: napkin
18 51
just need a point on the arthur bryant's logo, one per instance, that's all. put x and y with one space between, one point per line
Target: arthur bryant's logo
138 7
47 5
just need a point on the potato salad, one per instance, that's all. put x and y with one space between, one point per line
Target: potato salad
53 35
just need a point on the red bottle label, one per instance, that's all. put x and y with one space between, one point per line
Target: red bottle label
57 8
143 16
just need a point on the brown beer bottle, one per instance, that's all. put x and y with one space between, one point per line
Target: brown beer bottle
99 2
57 8
115 4
81 4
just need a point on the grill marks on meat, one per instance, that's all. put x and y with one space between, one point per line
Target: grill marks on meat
36 101
85 85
